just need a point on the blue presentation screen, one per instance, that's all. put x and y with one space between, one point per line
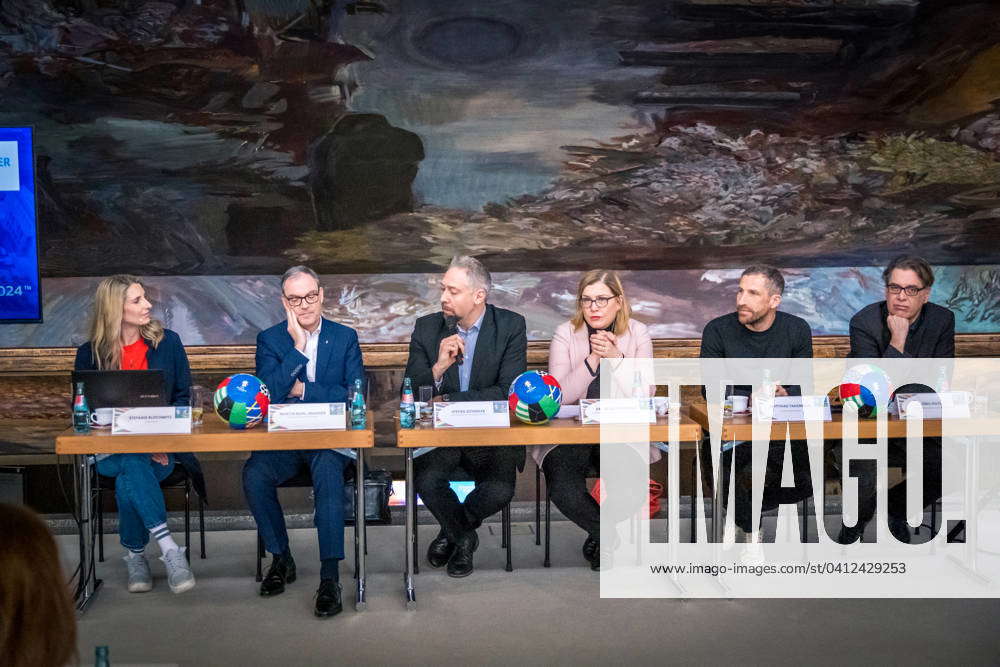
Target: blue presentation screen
20 297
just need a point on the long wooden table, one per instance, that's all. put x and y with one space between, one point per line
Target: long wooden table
740 427
555 432
212 436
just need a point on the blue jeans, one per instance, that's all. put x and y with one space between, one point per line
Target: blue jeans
137 490
265 470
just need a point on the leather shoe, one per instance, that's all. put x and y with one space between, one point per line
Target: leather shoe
595 556
281 572
329 599
460 564
851 534
590 547
440 550
899 529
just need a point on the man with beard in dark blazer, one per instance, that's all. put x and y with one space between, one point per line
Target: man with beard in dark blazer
469 351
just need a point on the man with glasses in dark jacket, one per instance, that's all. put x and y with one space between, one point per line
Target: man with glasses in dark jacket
905 325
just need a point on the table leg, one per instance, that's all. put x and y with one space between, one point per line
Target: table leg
969 564
359 532
88 581
411 521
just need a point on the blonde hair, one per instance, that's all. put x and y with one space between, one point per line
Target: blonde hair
106 323
613 282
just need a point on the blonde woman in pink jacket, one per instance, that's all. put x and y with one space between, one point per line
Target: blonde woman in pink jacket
601 328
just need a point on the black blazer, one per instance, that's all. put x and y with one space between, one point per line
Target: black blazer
501 355
932 335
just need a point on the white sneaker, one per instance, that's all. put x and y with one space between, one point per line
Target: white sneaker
180 578
753 553
140 579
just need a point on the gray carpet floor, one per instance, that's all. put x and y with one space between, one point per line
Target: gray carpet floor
532 616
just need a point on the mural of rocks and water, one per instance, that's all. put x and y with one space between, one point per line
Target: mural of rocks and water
210 144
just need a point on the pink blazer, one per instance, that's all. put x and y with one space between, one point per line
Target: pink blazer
567 353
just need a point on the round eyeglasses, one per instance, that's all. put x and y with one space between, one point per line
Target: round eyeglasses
599 302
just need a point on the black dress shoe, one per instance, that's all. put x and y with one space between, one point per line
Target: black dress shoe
440 550
899 529
281 572
460 564
590 547
595 556
329 599
851 534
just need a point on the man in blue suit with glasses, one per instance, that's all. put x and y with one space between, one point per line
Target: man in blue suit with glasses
310 359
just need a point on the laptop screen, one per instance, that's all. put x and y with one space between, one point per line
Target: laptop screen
122 389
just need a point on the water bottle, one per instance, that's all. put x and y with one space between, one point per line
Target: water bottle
81 411
359 412
407 408
942 380
639 389
101 657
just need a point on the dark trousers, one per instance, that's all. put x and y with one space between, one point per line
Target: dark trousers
565 469
773 493
492 468
265 470
896 500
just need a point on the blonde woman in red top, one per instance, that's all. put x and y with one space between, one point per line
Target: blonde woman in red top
124 336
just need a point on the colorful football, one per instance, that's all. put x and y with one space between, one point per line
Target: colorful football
535 397
867 388
241 401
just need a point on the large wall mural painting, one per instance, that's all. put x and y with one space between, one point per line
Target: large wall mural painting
209 145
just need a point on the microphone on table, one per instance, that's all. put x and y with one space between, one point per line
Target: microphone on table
452 323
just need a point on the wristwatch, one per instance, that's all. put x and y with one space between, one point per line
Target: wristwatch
446 398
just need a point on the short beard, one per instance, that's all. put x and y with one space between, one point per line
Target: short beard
755 321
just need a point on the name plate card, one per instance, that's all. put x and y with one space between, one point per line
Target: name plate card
617 411
471 414
945 404
306 416
151 421
795 409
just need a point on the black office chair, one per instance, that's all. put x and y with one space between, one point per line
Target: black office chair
505 531
178 480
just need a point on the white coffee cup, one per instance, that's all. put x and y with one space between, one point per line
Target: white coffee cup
101 416
739 403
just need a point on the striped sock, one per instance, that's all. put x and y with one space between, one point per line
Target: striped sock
163 537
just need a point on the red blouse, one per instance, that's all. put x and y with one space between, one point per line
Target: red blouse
134 356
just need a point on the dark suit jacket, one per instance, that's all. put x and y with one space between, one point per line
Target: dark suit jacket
501 355
932 335
169 356
338 363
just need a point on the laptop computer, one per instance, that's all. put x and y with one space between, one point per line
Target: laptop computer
122 389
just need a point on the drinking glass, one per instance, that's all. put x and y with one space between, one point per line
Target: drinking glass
426 393
197 399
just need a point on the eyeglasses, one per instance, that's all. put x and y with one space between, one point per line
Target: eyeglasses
296 301
600 302
893 288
